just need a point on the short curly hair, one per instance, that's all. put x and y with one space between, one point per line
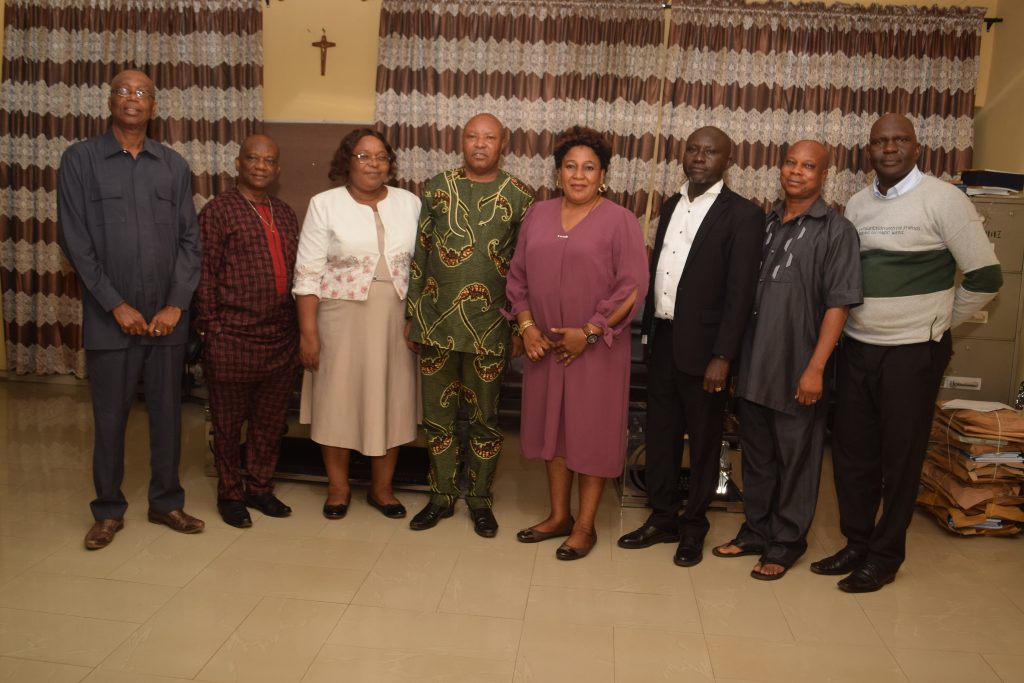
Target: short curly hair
586 137
343 156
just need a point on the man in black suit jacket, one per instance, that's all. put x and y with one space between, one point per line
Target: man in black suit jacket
704 272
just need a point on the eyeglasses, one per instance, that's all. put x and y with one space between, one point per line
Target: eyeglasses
365 158
126 93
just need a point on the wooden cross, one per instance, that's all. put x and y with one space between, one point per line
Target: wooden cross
323 44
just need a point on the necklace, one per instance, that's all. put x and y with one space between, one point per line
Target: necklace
586 213
259 215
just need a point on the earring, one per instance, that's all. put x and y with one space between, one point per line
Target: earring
558 183
602 188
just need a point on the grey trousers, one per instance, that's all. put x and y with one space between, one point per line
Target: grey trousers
781 470
114 380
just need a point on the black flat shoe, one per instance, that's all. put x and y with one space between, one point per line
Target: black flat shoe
484 523
531 535
689 553
843 562
268 504
646 536
867 578
568 553
233 512
429 516
335 511
391 510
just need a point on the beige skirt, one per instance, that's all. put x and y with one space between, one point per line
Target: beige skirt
365 395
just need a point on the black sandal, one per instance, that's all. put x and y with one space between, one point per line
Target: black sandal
744 549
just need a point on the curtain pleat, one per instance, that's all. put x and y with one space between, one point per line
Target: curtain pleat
206 59
773 73
540 67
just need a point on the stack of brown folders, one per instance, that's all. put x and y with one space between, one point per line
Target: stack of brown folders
972 475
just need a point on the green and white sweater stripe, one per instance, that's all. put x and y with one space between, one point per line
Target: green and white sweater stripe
910 248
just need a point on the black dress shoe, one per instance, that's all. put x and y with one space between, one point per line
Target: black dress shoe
428 517
268 504
391 510
867 578
335 511
646 536
843 562
233 512
689 552
484 523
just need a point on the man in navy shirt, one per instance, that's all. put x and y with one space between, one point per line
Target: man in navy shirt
127 223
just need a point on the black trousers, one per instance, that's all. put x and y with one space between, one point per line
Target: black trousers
885 400
114 380
781 471
677 405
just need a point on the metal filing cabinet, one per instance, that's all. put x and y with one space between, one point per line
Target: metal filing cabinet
987 349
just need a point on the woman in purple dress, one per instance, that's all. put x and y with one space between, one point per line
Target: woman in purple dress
577 278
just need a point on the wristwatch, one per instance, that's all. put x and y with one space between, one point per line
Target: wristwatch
591 336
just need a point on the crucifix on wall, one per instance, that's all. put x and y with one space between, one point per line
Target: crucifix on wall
323 44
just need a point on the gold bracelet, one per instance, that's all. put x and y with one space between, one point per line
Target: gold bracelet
523 326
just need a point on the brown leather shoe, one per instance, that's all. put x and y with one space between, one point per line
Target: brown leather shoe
102 533
179 520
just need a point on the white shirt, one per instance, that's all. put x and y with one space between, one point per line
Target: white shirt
338 250
909 182
682 227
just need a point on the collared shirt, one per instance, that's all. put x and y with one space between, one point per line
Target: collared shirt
247 321
909 182
128 226
810 263
682 228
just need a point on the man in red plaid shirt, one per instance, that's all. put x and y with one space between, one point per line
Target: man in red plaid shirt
248 325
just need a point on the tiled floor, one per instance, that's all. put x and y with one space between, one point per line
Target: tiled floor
366 599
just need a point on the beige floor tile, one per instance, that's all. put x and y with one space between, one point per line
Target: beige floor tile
183 635
111 676
550 652
18 554
408 576
733 604
1009 667
490 582
59 638
627 572
299 582
649 655
818 612
84 597
612 608
29 671
929 595
348 663
73 558
362 526
982 633
313 552
779 662
276 643
54 527
175 559
427 632
934 666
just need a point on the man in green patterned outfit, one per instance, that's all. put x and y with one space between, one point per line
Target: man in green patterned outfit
468 229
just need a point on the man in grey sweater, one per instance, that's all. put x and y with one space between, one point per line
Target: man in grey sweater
915 232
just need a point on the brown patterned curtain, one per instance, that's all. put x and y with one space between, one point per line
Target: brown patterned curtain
775 72
206 58
540 67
